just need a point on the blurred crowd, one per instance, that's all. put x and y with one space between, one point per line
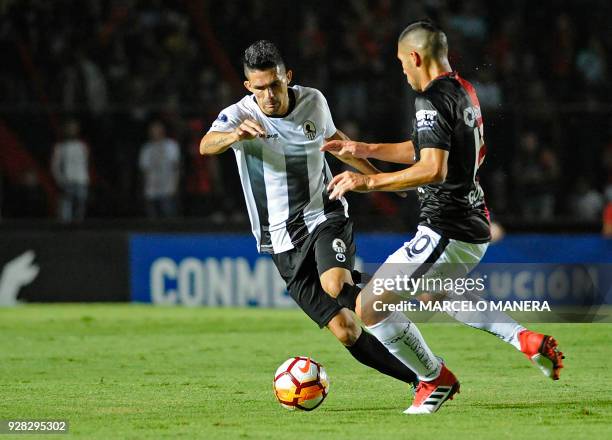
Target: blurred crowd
103 102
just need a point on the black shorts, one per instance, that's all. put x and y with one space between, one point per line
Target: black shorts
330 245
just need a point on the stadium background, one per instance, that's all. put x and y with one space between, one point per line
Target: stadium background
117 66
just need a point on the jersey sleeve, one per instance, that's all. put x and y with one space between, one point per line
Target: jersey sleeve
329 128
228 119
433 126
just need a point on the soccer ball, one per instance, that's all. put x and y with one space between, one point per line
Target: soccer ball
300 382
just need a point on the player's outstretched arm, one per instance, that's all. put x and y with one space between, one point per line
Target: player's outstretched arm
361 164
402 152
431 168
216 142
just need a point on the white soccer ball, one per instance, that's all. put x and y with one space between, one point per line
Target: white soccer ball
300 383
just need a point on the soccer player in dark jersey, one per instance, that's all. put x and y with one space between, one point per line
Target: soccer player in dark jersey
276 133
445 152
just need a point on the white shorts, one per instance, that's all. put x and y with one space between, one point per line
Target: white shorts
431 256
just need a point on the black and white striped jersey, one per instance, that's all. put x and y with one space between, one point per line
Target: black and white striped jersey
283 174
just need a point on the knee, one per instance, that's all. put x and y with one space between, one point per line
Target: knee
332 285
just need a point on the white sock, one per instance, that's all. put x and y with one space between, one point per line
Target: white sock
404 341
496 322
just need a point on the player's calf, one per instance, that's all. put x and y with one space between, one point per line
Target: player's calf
366 349
345 328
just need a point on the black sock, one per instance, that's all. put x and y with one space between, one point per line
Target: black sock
371 352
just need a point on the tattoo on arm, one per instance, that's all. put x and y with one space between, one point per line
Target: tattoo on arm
218 142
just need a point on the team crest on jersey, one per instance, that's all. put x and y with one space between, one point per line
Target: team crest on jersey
338 245
222 117
339 248
310 129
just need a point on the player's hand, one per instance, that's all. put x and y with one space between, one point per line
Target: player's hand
249 129
347 181
347 148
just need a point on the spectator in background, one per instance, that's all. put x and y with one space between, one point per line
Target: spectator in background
203 183
469 21
137 60
489 91
586 203
349 74
536 173
70 168
84 83
591 62
312 41
159 163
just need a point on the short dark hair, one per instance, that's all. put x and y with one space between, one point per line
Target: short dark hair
438 45
262 55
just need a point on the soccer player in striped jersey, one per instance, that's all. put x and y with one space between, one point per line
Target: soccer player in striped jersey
276 133
445 152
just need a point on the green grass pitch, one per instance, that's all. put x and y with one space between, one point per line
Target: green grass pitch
142 372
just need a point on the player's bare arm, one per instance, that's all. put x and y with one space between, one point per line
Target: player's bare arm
361 164
402 152
431 168
216 142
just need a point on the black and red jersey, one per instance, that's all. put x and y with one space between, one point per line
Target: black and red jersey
448 117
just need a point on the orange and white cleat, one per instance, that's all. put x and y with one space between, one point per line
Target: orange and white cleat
431 395
543 352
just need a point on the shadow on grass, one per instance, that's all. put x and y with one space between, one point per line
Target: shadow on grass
377 408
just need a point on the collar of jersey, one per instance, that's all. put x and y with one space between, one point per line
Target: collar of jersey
442 75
